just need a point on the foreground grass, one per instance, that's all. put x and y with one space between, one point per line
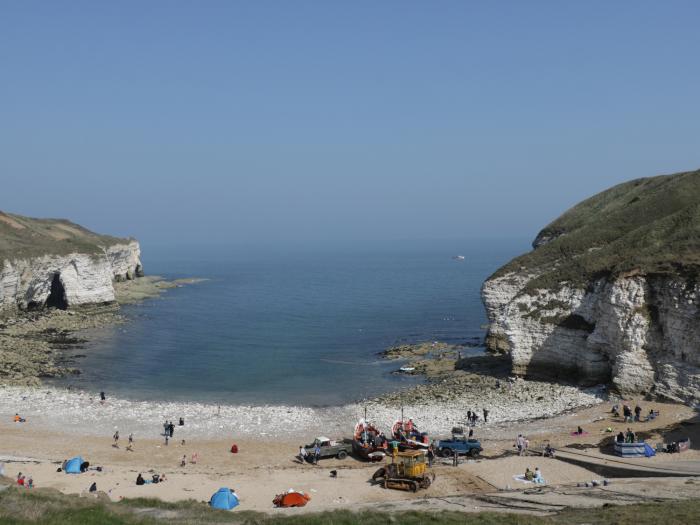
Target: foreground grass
50 507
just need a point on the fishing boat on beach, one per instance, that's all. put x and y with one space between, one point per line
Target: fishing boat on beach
368 442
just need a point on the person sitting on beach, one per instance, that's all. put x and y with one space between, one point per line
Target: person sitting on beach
579 431
548 451
615 411
652 415
19 419
538 476
140 480
620 438
529 475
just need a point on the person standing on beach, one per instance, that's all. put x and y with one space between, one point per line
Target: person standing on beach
302 454
172 429
469 417
486 416
317 454
103 397
116 439
431 456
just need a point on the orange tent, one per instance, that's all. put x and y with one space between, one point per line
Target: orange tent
291 499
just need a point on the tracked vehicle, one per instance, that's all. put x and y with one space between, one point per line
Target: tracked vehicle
408 470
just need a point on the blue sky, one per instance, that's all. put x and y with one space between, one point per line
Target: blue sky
268 121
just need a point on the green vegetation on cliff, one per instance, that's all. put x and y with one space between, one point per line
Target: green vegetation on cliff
22 237
649 225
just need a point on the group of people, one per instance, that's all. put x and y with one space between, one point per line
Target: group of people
522 444
23 481
156 478
627 437
473 417
130 445
535 477
627 413
313 456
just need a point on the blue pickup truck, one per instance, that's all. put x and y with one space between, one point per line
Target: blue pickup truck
461 444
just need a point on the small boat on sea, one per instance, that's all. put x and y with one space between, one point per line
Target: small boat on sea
407 369
458 257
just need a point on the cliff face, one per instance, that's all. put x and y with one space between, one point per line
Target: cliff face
76 267
585 308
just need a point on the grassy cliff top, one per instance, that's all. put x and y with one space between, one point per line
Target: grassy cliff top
22 237
649 225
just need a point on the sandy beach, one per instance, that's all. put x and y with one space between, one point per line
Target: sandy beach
61 425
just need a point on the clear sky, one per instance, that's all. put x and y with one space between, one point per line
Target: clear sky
290 120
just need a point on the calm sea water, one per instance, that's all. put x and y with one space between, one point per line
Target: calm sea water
290 325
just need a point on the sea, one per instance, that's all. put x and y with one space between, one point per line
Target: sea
290 324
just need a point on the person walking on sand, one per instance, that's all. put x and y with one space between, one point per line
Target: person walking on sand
486 416
116 439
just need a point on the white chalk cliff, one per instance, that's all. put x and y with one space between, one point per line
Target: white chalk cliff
77 268
609 293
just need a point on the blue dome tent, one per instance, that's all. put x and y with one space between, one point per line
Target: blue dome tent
73 465
224 499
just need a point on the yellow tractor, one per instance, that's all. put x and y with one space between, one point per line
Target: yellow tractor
408 470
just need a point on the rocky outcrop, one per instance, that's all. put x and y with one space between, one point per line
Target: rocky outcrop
639 332
70 279
609 293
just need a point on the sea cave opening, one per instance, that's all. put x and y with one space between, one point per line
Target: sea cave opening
57 296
